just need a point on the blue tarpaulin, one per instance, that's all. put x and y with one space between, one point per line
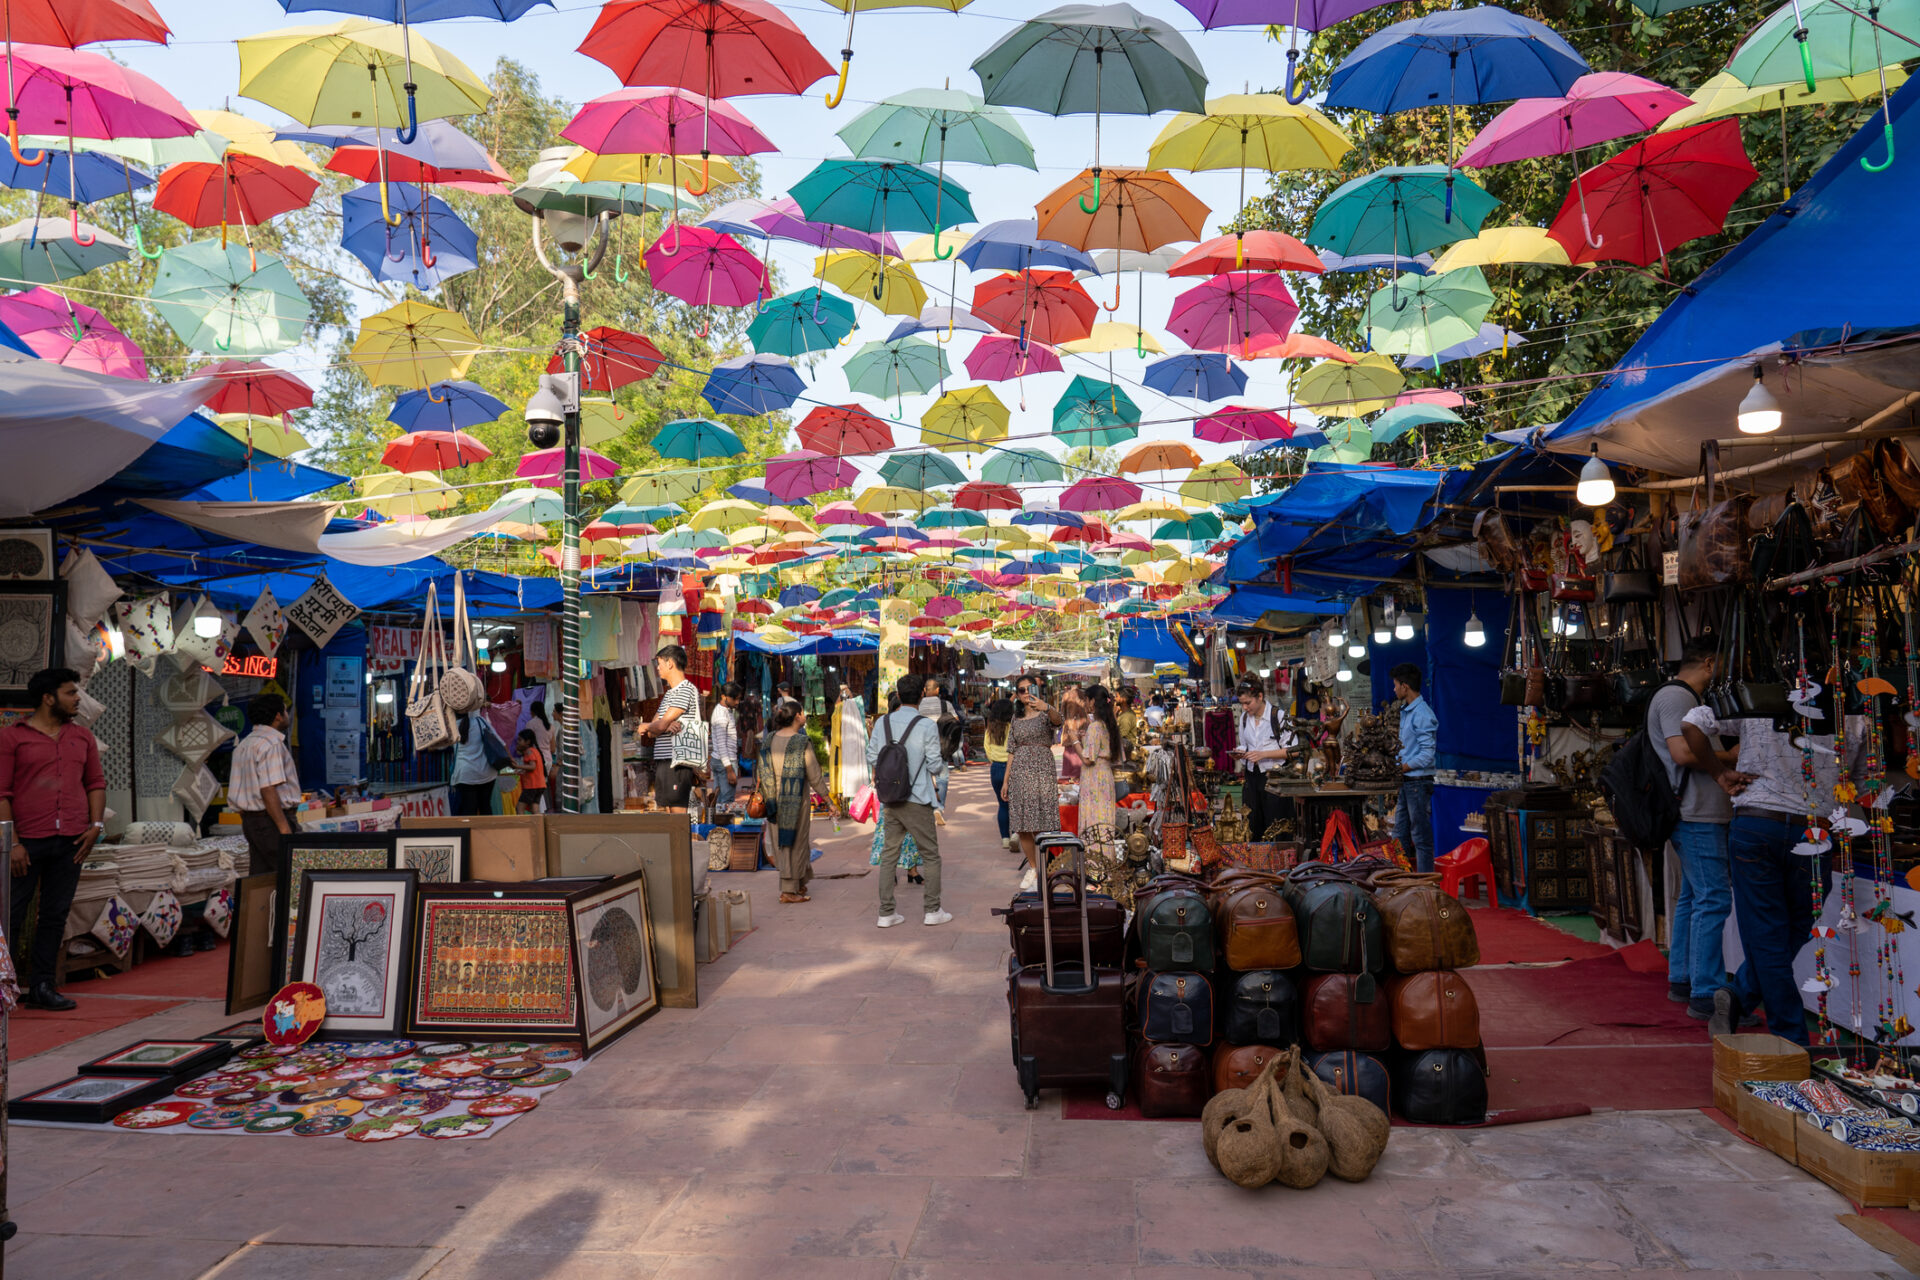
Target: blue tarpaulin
1150 640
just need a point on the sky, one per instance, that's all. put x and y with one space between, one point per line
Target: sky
895 50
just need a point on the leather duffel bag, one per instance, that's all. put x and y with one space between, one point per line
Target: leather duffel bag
1440 1086
1345 1011
1171 1079
1433 1010
1174 926
1358 1075
1254 924
1236 1066
1337 920
1176 1008
1425 926
1262 1008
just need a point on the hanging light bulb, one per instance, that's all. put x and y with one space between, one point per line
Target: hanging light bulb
1239 644
482 640
116 642
384 695
1383 623
1336 634
1403 627
1759 411
498 664
1476 633
1344 675
1559 624
1596 481
1265 672
1356 647
206 625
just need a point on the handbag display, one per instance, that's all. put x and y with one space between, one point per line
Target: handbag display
1171 1080
1897 471
1630 582
1574 585
460 685
1496 541
1440 1086
1106 923
1254 924
1176 1008
1262 1008
1425 926
1754 695
1713 540
1174 926
1345 1011
1338 922
1235 1066
1878 499
1434 1010
1357 1075
428 716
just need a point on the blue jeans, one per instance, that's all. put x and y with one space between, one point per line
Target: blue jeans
1773 894
1413 826
1700 915
723 790
997 773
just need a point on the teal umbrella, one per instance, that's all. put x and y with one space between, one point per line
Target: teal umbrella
689 539
951 518
880 196
921 471
1402 211
622 516
1201 526
933 126
1822 41
1022 466
1104 572
836 597
1419 315
534 506
235 301
697 440
1095 413
1400 419
1349 442
796 323
908 366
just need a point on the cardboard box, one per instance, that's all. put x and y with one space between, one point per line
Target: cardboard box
1759 1057
1877 1179
1726 1096
1774 1128
710 936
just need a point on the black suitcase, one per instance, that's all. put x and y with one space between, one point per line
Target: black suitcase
1069 1018
1359 1075
1175 925
1441 1086
1106 923
1261 1008
1176 1008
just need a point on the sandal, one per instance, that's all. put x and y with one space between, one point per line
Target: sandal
792 897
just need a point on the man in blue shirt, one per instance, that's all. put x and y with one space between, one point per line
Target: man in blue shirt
1418 729
915 817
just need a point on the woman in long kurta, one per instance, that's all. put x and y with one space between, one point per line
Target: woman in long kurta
1098 812
789 774
1073 708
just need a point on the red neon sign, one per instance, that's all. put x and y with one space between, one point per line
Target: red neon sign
254 664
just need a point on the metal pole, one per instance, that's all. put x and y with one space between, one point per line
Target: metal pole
7 1227
570 566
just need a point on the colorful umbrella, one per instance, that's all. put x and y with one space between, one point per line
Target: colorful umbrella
1401 210
1333 389
796 323
1727 95
1196 376
1036 306
845 513
427 246
1656 194
784 221
414 345
838 430
797 476
80 176
697 440
965 420
911 366
1420 315
921 470
547 467
878 195
440 153
1158 455
1216 482
230 300
656 488
1250 251
1502 247
250 387
67 93
1301 346
1237 423
884 499
983 495
648 120
591 167
433 451
722 48
997 357
1095 414
72 335
446 406
1598 108
1015 244
942 321
1098 493
612 358
1347 442
345 71
706 268
45 250
1234 312
1455 57
752 385
1400 419
1141 210
933 126
888 283
1262 130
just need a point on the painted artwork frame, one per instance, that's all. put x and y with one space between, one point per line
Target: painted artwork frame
42 607
243 1032
169 1058
473 945
305 851
250 966
614 958
89 1099
502 848
42 542
662 846
437 855
366 993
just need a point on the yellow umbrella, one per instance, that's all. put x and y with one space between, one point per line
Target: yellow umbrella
1011 535
853 8
750 536
1151 510
920 248
1216 482
637 167
1159 455
1725 95
799 537
725 515
1504 247
785 521
858 275
1336 390
964 420
601 421
1111 335
268 435
248 137
414 345
357 72
883 498
654 488
1165 551
405 493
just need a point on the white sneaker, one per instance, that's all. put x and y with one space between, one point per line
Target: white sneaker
937 917
887 922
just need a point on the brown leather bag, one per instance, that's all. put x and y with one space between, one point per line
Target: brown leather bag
1898 471
1253 923
1496 541
1714 541
1345 1011
1236 1066
1426 926
1171 1079
1881 500
1433 1011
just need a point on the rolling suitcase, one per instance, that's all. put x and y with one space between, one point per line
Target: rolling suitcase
1069 1016
1106 923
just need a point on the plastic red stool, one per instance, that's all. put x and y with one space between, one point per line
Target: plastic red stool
1473 860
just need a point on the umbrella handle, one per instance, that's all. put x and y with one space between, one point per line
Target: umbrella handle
1293 58
253 258
880 278
1095 207
1806 58
141 245
706 177
73 210
1586 227
412 131
440 400
1140 346
427 256
1447 216
1886 164
1115 304
619 270
937 254
840 89
661 242
706 326
13 141
386 209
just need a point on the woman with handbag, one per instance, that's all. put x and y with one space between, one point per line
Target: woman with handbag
1032 790
788 777
473 776
677 758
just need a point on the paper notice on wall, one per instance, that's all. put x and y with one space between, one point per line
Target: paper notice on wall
344 758
342 720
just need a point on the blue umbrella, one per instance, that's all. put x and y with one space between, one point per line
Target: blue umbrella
1490 338
1049 515
751 493
797 594
93 175
1197 375
697 440
1015 245
446 406
440 143
753 385
1456 57
1108 592
1026 569
736 218
1334 262
429 245
934 319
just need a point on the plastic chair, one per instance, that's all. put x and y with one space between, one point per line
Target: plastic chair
1472 860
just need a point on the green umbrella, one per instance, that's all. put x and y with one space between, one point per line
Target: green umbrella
1348 442
533 505
686 539
1422 315
1201 526
796 323
43 250
935 126
880 196
908 366
1022 466
1400 419
1104 572
921 471
218 300
1095 414
697 440
1401 210
951 518
1824 40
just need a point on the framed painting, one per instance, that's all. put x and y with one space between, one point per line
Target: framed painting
355 945
89 1099
33 634
436 856
302 852
250 969
662 845
161 1058
493 962
243 1032
613 946
501 848
26 555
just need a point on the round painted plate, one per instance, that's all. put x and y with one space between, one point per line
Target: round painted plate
413 1062
380 1049
322 1126
368 1091
227 1117
317 1064
428 1082
294 1014
455 1126
468 1090
329 1046
546 1078
504 1049
157 1115
337 1107
242 1097
302 1097
457 1068
383 1128
554 1054
444 1049
274 1122
293 1069
354 1070
409 1104
507 1104
511 1069
404 1079
213 1086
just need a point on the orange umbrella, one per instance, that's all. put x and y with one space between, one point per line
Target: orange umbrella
1139 209
1159 455
1301 346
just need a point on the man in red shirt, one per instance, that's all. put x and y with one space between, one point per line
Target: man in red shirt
54 791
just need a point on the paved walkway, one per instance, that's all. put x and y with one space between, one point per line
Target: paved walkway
842 1106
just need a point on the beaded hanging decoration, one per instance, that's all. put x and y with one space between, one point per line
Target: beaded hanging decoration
1816 836
1892 1025
1848 923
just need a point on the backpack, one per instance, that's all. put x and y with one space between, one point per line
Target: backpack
892 774
1645 806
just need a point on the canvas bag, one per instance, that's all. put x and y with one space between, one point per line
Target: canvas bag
427 711
690 743
460 686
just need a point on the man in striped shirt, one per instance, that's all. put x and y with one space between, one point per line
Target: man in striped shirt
264 784
672 782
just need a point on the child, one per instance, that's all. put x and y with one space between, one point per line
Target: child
533 772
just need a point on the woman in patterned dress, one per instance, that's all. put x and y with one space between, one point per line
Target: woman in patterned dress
1098 812
1031 790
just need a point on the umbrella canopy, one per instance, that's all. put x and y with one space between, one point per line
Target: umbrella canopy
430 245
72 335
1216 482
845 513
1455 57
612 358
893 498
357 71
414 345
1196 375
797 476
1504 247
231 300
1347 442
433 451
1656 194
1249 130
998 357
752 385
784 221
72 23
1139 210
1301 346
45 250
401 494
706 268
722 48
1111 335
1095 414
796 323
889 283
547 467
641 121
881 195
446 406
964 421
592 167
1252 251
1083 58
601 419
439 153
1018 467
1598 108
941 320
1240 422
241 190
1234 312
70 173
910 366
1820 40
1015 244
1333 389
929 126
69 93
982 495
1400 419
921 470
1401 210
697 440
1099 493
1727 95
659 488
838 430
1158 455
1420 315
1036 306
528 504
251 387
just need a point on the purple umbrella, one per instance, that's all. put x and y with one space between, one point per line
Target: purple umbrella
784 221
1299 15
1598 108
794 476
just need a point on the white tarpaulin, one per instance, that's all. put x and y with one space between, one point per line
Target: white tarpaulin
300 526
63 431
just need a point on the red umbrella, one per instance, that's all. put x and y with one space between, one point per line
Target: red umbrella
1239 422
1233 311
753 604
436 451
995 358
241 191
978 495
247 386
1264 251
1036 306
1670 188
1099 493
72 23
777 555
841 429
1092 531
613 358
648 120
1298 346
364 163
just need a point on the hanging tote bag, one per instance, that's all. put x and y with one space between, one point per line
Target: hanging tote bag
690 743
461 686
427 711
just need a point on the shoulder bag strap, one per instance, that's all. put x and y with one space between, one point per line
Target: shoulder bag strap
429 648
462 655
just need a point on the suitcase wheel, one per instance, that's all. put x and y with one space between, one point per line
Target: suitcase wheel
1113 1102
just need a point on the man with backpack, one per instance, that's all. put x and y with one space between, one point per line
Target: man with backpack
903 754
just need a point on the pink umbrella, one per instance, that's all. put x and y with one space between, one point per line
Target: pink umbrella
1598 108
784 221
72 335
794 476
1099 493
647 121
1121 540
66 93
1442 396
1239 422
944 607
545 467
1234 311
706 268
846 513
997 357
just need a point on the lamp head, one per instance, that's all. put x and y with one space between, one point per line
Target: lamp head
1759 411
1596 488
